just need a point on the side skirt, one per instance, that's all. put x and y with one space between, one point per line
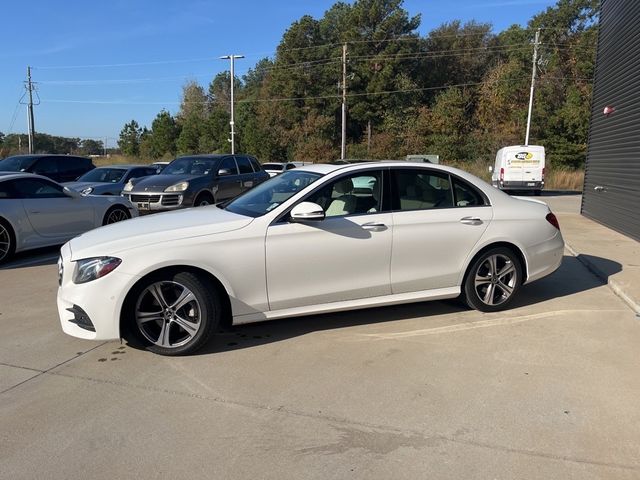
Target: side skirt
382 301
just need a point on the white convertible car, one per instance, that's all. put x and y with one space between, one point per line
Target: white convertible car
37 212
319 238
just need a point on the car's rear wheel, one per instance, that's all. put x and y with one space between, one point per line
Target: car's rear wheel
7 241
203 200
493 280
175 314
115 215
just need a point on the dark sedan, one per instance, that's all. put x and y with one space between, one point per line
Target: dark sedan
194 181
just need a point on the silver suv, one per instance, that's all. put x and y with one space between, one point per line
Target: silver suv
195 180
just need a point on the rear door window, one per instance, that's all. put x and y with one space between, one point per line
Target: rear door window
466 195
255 164
244 165
421 189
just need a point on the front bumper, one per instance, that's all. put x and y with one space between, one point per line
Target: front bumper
158 201
100 301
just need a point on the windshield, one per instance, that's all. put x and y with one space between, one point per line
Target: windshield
268 195
16 164
190 166
272 166
103 175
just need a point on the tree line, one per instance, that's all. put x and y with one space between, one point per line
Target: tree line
16 143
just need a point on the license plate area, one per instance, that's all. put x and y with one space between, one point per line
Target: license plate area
143 205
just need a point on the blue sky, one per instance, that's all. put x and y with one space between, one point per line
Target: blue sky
184 38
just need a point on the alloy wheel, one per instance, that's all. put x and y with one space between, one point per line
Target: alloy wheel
116 215
168 314
5 242
495 279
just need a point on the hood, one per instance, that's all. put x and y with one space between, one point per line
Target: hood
153 229
156 183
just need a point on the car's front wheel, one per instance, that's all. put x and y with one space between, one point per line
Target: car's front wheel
7 241
203 200
175 313
493 280
116 214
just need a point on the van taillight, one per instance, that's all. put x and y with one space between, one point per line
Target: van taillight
502 174
542 173
551 218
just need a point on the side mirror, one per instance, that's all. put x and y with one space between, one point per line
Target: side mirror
307 211
490 169
71 193
224 171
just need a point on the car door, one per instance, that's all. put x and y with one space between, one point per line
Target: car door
437 220
227 183
346 256
50 211
247 176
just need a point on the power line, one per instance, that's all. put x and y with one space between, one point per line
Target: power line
317 97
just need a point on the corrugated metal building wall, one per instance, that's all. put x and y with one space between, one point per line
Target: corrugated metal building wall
612 179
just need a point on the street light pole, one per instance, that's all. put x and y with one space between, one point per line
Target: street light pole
231 122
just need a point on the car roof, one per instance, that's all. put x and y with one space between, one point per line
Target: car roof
41 155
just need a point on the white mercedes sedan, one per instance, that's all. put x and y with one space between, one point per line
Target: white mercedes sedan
38 212
319 238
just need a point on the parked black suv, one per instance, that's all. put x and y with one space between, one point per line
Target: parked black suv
195 180
61 168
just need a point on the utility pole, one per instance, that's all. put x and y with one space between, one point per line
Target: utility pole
104 146
343 150
536 43
231 122
31 124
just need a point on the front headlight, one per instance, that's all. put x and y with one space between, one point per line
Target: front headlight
178 187
89 269
86 191
128 186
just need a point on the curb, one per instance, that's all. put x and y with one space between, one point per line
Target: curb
612 284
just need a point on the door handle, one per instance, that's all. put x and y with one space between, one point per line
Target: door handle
599 188
471 221
374 227
34 211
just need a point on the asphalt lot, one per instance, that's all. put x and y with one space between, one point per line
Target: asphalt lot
546 390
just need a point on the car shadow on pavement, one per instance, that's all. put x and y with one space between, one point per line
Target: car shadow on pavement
571 278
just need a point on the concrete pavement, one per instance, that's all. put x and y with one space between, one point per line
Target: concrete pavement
546 390
599 248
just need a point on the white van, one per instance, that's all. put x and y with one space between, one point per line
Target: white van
519 167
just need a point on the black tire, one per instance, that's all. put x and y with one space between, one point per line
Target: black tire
201 314
6 236
115 214
489 286
203 199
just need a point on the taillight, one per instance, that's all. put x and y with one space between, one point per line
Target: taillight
551 218
502 174
542 173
